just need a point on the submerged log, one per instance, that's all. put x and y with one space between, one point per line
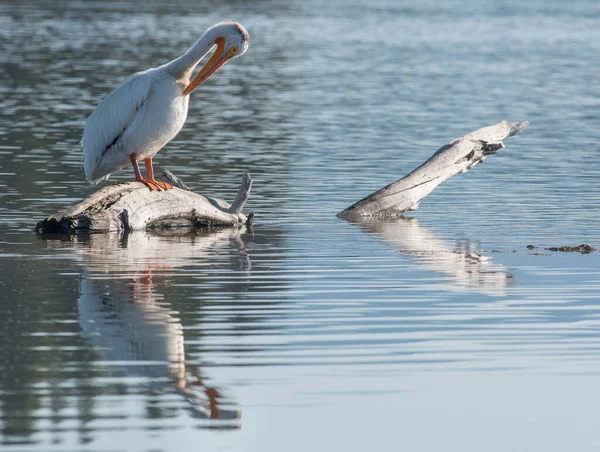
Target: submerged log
132 206
456 157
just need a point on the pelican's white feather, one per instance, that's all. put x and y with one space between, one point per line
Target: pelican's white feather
110 120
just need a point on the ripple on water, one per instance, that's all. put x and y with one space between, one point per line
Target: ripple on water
445 329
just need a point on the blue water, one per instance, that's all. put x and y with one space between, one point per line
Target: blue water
309 333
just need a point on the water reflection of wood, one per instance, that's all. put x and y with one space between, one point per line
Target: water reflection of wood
134 328
468 269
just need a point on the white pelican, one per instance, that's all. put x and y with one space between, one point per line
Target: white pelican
148 109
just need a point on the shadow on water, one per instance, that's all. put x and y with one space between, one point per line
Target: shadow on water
461 260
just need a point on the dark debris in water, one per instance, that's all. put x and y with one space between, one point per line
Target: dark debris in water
583 249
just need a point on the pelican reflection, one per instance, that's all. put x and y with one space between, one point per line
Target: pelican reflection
134 329
470 271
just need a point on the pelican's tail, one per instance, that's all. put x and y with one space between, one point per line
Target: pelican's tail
99 171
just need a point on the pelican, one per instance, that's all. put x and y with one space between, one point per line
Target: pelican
148 109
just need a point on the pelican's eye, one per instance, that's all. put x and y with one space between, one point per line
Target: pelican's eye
232 52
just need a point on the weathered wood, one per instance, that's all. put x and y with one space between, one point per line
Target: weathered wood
456 157
242 196
132 206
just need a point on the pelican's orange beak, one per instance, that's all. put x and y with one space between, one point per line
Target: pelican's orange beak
217 59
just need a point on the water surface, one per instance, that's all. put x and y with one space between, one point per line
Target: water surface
308 333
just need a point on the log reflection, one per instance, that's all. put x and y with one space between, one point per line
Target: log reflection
470 271
134 329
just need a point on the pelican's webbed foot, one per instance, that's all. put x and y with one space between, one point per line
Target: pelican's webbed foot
161 184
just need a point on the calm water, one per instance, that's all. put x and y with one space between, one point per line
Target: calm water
309 333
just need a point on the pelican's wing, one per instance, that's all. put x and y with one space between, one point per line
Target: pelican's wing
109 120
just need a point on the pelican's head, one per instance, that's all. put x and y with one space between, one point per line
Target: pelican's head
231 39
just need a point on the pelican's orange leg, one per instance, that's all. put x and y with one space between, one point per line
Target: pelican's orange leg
150 174
138 176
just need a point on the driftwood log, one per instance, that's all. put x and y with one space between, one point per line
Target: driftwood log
456 157
132 206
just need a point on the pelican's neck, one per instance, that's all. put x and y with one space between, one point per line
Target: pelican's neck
183 66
